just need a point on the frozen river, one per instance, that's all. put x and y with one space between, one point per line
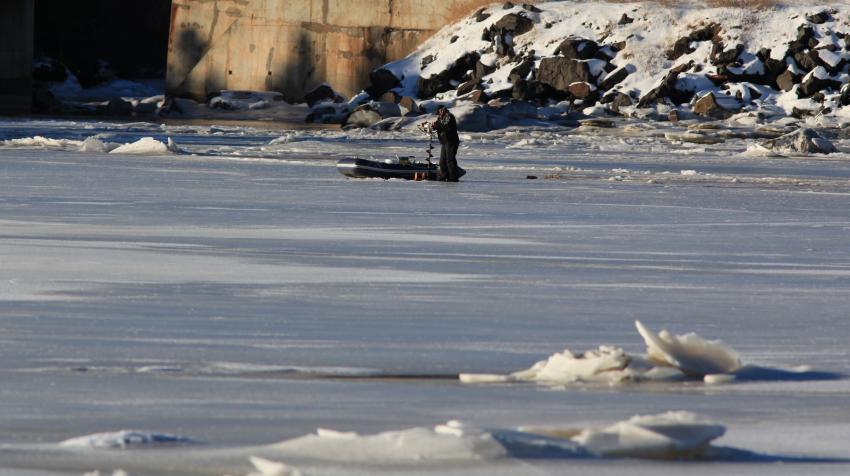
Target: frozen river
242 293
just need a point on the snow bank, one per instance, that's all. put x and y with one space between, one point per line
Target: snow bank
126 439
148 146
669 435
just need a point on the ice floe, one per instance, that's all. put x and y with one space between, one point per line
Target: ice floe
668 357
126 439
671 435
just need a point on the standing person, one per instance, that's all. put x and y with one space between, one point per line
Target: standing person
446 127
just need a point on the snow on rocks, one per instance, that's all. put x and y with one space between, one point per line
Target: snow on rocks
125 439
714 61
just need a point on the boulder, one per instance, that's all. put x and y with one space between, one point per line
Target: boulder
49 70
517 110
389 96
382 81
514 23
805 40
409 107
319 94
844 99
370 114
559 72
472 118
616 100
525 90
582 90
720 57
787 80
807 60
481 15
522 70
625 20
482 70
577 48
667 89
682 46
119 107
362 117
614 78
801 141
820 17
478 96
44 101
443 81
707 106
467 87
816 81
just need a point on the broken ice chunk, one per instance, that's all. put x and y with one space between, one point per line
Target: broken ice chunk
690 353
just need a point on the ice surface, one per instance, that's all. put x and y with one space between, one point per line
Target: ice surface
251 294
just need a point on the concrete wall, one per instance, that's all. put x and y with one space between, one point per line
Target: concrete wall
16 33
292 46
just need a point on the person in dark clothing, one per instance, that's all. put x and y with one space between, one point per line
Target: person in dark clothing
446 127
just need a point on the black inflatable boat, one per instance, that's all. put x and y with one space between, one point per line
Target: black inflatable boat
402 168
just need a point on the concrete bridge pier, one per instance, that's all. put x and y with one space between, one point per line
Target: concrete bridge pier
16 50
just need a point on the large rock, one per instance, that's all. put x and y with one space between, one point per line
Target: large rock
409 107
577 48
514 23
371 113
49 70
787 80
801 141
682 46
448 79
616 100
820 17
119 107
522 70
614 78
667 89
472 118
558 73
517 110
44 102
319 94
582 91
816 81
382 81
707 106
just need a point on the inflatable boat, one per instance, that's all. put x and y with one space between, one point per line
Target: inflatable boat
400 168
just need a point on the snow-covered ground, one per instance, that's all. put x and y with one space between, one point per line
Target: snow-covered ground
223 295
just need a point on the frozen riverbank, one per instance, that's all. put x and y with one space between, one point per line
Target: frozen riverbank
242 292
